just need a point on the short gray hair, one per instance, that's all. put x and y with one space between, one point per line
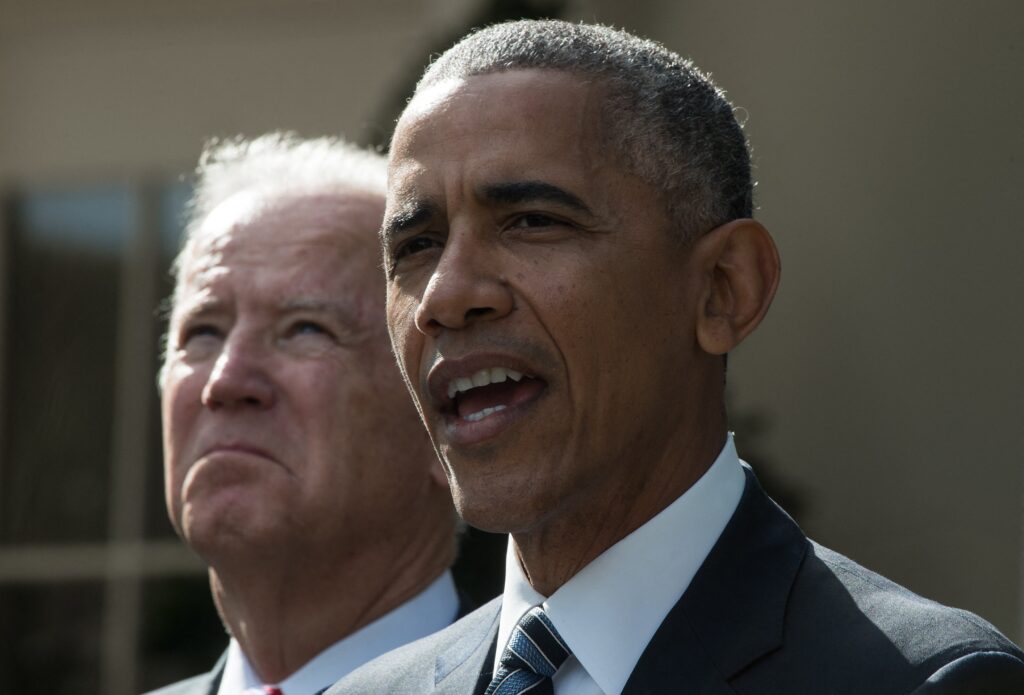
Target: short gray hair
666 120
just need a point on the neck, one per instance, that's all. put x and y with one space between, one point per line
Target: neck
555 550
290 610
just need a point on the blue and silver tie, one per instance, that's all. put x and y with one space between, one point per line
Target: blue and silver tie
533 654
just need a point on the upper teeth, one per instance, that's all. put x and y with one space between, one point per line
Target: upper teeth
494 375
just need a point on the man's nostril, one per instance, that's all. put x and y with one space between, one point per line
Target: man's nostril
478 311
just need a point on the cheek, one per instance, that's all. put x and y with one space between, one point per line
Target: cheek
386 403
405 337
180 406
576 310
599 323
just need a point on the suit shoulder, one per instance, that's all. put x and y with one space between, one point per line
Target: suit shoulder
919 626
410 669
848 625
850 630
993 673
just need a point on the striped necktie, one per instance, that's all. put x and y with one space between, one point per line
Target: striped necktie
533 654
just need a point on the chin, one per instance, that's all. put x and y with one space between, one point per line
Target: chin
493 512
225 532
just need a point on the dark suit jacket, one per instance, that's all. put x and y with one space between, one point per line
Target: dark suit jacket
768 613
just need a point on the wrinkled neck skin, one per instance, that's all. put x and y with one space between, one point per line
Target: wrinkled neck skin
287 608
555 549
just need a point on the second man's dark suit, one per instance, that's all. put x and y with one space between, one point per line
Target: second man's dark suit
768 613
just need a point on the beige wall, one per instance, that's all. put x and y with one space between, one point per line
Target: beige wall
111 87
889 159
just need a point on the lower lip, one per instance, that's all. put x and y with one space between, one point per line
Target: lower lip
462 432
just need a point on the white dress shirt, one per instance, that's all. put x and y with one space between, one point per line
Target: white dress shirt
429 611
609 611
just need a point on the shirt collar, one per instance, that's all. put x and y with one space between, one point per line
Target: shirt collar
431 610
610 597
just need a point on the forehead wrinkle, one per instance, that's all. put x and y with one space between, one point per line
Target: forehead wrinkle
205 274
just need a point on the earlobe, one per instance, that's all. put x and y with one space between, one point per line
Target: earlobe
741 270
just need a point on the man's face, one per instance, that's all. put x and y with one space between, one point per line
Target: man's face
519 251
286 425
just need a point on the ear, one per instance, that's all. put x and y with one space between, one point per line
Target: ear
741 270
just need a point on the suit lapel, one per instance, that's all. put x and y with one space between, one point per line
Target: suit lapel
467 662
676 660
734 609
486 670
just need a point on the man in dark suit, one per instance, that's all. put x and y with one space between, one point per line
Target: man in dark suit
294 463
570 255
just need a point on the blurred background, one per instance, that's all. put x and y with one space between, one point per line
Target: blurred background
881 400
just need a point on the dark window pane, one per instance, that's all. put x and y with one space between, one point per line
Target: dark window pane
171 211
170 206
181 632
64 265
51 638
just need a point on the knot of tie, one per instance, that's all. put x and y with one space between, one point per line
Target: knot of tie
534 653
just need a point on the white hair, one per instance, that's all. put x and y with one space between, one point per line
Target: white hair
279 163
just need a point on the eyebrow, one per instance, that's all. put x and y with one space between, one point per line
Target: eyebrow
504 193
514 192
409 216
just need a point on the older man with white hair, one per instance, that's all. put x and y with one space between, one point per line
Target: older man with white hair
295 465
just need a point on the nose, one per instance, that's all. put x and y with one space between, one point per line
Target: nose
465 288
239 378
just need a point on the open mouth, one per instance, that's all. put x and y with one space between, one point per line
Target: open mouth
490 391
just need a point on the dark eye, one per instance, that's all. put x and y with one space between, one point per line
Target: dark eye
534 219
414 245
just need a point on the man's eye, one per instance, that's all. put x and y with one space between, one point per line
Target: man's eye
199 330
413 246
307 328
534 219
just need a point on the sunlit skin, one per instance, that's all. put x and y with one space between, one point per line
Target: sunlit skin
294 461
514 238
